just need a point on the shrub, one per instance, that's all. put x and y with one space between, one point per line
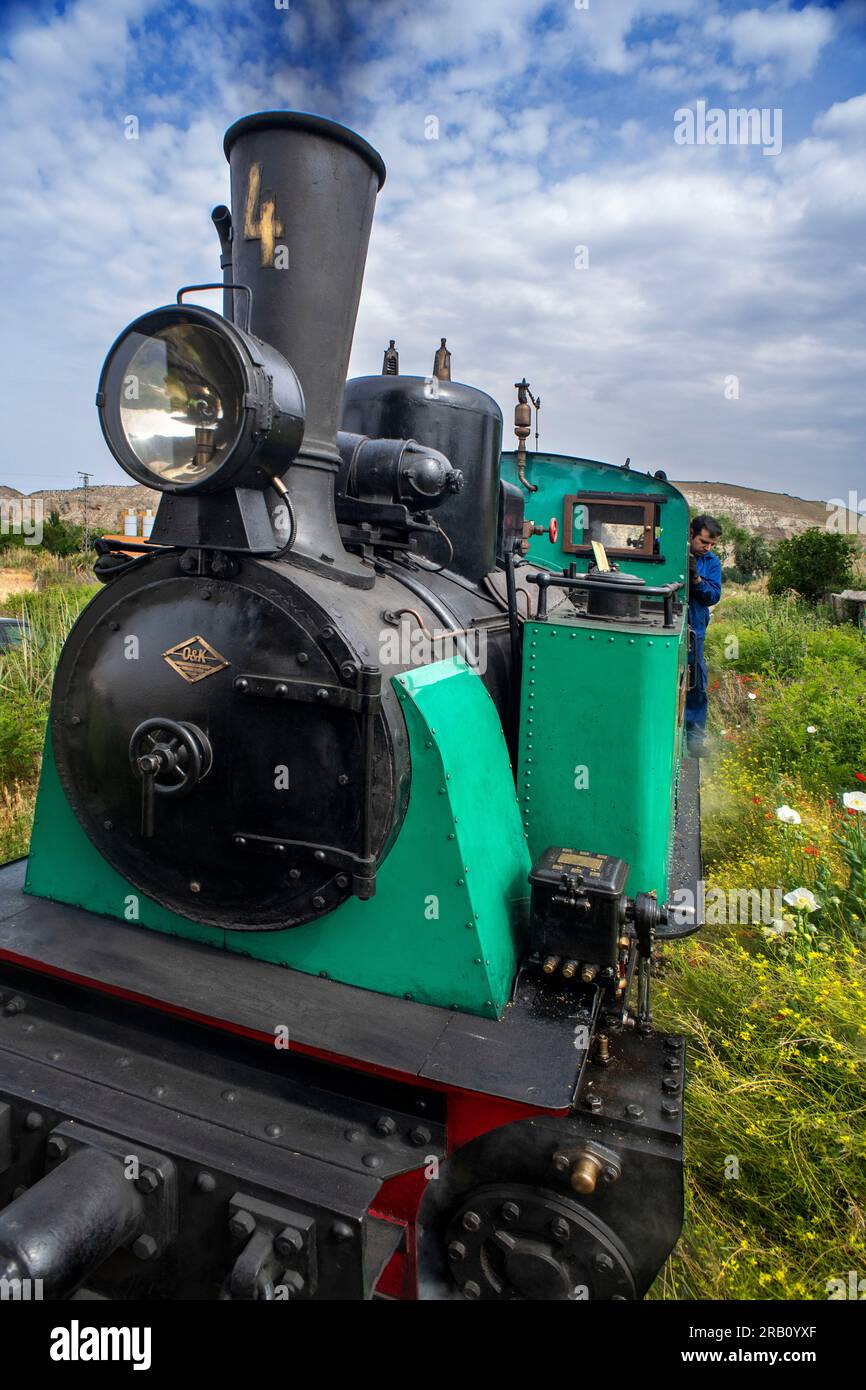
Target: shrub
813 563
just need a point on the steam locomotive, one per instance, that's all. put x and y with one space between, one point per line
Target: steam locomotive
362 813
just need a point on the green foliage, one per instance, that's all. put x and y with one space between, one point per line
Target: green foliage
774 1014
61 537
26 674
813 563
753 556
830 697
757 635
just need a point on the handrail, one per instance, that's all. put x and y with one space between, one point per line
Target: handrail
546 579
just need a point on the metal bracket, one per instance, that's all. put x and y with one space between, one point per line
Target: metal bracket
277 1260
366 701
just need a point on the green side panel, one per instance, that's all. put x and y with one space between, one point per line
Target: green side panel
557 476
445 925
600 740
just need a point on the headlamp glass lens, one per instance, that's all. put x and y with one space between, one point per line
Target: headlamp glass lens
180 401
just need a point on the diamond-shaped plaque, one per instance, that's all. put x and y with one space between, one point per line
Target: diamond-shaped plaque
194 658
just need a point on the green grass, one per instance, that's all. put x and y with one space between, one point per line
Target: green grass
776 1101
777 1039
26 673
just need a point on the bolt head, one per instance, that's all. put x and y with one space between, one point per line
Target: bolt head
510 1211
242 1225
292 1282
419 1136
471 1222
456 1251
634 1112
471 1289
560 1229
289 1243
205 1182
385 1125
56 1148
147 1181
603 1263
34 1121
562 1163
145 1248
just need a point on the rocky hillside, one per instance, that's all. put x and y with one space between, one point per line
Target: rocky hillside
104 504
773 514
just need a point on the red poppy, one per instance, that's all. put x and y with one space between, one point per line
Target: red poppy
715 686
861 776
810 849
757 800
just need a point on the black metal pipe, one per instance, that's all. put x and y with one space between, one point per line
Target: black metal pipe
222 220
69 1222
516 653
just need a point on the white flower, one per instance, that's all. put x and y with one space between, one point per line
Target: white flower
752 695
802 900
811 729
788 815
854 801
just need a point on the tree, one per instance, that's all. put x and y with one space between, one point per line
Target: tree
753 556
813 563
61 537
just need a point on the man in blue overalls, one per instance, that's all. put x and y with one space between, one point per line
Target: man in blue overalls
705 590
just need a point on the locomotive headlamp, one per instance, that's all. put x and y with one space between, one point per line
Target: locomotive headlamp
189 402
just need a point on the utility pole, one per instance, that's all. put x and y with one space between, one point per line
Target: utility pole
85 480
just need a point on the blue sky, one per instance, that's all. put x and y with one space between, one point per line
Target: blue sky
706 263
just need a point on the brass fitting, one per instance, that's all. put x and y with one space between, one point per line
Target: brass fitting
585 1172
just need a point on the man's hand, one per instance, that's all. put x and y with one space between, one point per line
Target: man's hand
694 577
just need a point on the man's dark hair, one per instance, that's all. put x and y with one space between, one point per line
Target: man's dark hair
706 523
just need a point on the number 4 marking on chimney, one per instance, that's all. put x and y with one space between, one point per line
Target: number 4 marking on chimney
260 216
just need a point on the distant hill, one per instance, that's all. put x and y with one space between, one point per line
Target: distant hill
104 503
774 514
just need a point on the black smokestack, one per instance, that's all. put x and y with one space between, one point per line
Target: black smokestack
303 194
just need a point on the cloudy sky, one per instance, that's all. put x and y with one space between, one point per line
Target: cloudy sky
697 306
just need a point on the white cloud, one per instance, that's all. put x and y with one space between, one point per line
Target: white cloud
790 41
703 262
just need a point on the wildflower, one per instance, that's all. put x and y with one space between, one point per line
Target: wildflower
757 800
789 816
811 729
861 776
854 801
802 900
752 695
811 849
